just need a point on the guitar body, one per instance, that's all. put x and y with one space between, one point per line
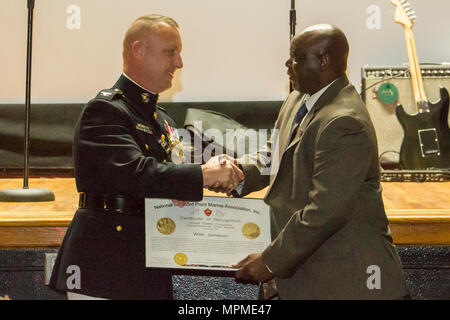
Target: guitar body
419 149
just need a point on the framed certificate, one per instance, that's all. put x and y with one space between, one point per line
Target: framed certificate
210 235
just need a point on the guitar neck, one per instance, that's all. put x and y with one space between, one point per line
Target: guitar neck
416 73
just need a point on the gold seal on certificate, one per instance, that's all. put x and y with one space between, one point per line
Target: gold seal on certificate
251 230
166 226
180 259
213 234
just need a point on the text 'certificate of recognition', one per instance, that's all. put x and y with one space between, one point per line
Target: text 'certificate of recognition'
212 234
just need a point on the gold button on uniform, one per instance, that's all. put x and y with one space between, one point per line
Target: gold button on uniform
119 228
155 115
146 146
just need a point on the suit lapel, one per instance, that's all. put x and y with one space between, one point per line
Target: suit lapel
325 99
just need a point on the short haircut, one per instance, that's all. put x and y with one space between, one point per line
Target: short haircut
142 26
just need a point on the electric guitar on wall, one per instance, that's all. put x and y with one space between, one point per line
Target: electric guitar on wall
426 142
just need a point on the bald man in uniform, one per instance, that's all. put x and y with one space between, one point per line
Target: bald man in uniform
331 238
124 149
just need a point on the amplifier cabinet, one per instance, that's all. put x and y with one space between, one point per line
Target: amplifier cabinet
388 129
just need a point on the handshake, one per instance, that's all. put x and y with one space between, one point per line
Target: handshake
220 174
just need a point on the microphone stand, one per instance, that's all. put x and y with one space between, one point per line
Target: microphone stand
26 194
293 20
292 23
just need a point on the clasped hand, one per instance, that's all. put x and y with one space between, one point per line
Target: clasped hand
237 178
220 174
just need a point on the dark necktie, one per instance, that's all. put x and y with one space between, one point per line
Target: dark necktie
298 119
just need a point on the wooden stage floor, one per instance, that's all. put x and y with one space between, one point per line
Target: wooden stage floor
418 213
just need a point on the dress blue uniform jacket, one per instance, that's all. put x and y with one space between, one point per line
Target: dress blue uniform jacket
118 151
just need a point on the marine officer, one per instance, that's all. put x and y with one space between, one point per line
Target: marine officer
123 153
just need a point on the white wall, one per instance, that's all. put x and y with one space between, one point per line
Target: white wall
232 49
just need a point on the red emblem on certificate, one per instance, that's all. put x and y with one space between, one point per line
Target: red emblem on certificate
208 212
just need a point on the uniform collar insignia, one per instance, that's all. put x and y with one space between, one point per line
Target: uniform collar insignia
135 93
145 97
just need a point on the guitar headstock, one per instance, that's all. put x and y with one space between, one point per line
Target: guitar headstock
404 15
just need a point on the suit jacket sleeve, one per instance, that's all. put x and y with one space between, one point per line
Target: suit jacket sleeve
259 166
109 157
341 161
256 168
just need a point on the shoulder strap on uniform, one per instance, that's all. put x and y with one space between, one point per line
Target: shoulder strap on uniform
109 94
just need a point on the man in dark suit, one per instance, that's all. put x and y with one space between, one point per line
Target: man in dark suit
331 238
124 147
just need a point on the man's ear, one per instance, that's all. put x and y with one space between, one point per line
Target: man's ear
325 60
138 49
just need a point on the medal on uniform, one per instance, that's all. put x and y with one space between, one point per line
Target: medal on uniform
164 144
175 146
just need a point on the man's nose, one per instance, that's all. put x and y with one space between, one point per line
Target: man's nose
179 61
288 62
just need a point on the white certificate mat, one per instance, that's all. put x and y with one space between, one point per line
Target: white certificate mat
212 234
